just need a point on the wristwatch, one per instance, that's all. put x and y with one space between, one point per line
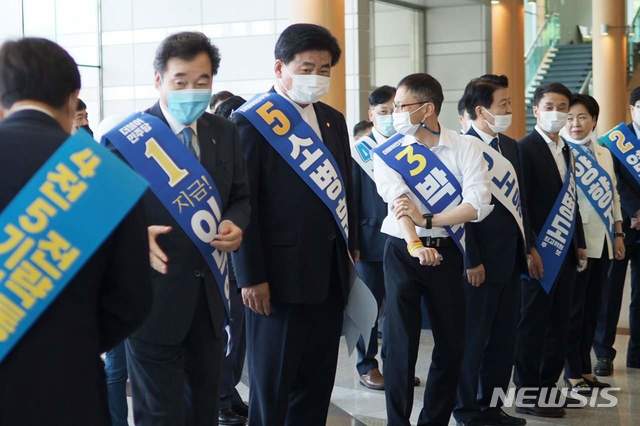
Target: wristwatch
620 234
428 220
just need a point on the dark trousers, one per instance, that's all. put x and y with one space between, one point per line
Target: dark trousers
541 344
372 273
175 385
584 315
405 282
610 308
233 364
292 357
492 312
115 371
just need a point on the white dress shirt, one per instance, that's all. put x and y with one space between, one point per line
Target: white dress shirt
463 159
177 128
308 113
486 137
594 230
556 151
636 128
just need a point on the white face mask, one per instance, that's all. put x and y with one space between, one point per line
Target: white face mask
307 88
402 122
566 135
635 115
500 122
552 121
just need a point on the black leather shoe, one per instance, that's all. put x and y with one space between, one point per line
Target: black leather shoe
604 367
229 417
241 408
497 417
595 383
582 387
536 410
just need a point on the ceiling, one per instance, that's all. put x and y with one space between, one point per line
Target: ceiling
439 3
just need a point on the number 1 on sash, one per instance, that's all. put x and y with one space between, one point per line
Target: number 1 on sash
155 151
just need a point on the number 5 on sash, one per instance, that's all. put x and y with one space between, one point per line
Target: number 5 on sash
270 115
155 151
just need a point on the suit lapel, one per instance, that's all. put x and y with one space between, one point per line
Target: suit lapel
545 153
206 141
325 129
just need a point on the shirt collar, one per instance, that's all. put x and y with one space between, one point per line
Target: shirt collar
32 107
636 128
175 125
379 137
486 137
444 141
548 140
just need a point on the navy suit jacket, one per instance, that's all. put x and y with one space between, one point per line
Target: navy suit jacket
542 183
371 210
293 242
176 293
496 241
629 190
54 375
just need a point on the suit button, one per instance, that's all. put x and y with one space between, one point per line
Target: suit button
197 273
331 237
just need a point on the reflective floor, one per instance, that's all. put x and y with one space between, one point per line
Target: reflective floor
355 405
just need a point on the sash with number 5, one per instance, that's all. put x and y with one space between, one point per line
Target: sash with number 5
625 146
427 177
182 185
298 144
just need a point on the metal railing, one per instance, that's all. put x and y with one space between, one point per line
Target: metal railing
586 85
547 38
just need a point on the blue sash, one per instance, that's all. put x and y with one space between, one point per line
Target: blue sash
556 235
54 225
182 185
299 145
595 184
427 177
625 146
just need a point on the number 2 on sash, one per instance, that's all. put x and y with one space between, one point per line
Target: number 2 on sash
155 151
622 144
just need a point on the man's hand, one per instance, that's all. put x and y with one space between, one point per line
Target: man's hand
534 261
157 258
619 249
476 276
257 298
428 256
229 237
405 207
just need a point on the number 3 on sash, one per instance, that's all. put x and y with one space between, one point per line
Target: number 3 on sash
155 151
269 117
413 158
622 144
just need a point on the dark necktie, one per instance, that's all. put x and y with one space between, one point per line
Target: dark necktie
494 144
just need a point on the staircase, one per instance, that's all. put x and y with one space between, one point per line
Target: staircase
569 64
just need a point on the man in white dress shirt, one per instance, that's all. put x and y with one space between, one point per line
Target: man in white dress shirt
420 257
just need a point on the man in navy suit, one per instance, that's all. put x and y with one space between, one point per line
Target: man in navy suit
494 259
543 325
174 359
372 211
293 265
629 190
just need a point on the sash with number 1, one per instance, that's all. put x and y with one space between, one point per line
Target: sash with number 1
181 183
427 177
297 143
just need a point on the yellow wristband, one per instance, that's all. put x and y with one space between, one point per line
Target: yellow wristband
413 246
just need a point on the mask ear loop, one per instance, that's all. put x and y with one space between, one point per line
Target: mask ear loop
430 130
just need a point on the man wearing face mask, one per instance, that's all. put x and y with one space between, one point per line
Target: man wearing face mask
494 259
629 188
293 265
174 359
423 253
81 120
372 211
556 235
599 203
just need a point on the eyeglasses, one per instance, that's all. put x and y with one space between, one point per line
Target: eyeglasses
403 106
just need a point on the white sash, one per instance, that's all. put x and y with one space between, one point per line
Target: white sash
362 153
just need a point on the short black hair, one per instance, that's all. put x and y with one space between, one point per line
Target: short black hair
381 95
219 96
298 38
36 69
228 106
462 105
543 89
361 126
589 102
634 96
425 87
479 92
81 106
186 46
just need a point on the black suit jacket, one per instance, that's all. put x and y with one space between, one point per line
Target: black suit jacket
496 241
371 211
54 375
292 241
629 190
176 293
542 183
